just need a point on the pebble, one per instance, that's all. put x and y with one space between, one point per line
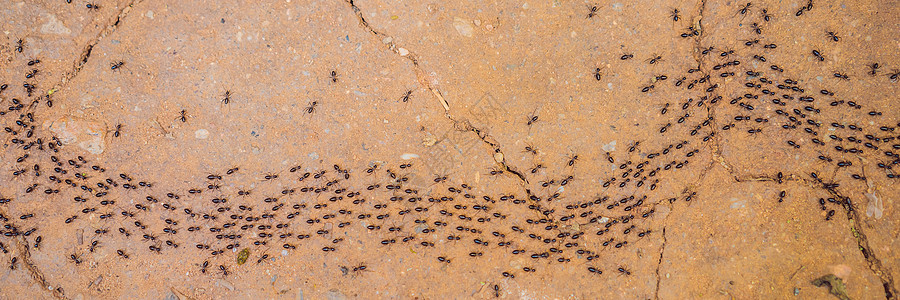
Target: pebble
609 147
201 134
54 26
403 51
88 135
335 295
225 284
463 27
408 156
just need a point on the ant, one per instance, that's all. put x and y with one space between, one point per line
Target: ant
766 16
227 97
818 55
20 45
231 171
833 36
745 8
598 74
92 6
756 28
405 97
624 271
626 56
183 116
895 75
312 107
116 65
572 160
532 119
530 149
75 258
118 128
874 69
593 12
674 14
334 76
655 59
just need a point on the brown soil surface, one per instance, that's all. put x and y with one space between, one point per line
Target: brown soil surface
448 150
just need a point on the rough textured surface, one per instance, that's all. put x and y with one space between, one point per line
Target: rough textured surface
406 149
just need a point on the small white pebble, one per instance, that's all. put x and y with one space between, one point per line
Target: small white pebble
201 134
408 156
403 51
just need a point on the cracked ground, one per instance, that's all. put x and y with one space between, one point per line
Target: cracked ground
440 150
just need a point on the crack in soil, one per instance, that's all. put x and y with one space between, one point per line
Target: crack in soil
36 273
498 156
86 53
662 250
862 240
874 264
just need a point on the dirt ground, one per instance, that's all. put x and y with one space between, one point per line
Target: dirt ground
449 150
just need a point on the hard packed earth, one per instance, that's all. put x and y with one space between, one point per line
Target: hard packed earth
449 150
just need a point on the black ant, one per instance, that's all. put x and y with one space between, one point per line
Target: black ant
674 14
75 258
572 160
593 11
655 59
533 118
231 171
531 149
833 36
312 107
20 45
874 69
895 75
334 76
405 97
598 74
745 8
226 97
626 56
756 28
624 271
183 116
766 16
118 128
116 65
92 6
818 55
